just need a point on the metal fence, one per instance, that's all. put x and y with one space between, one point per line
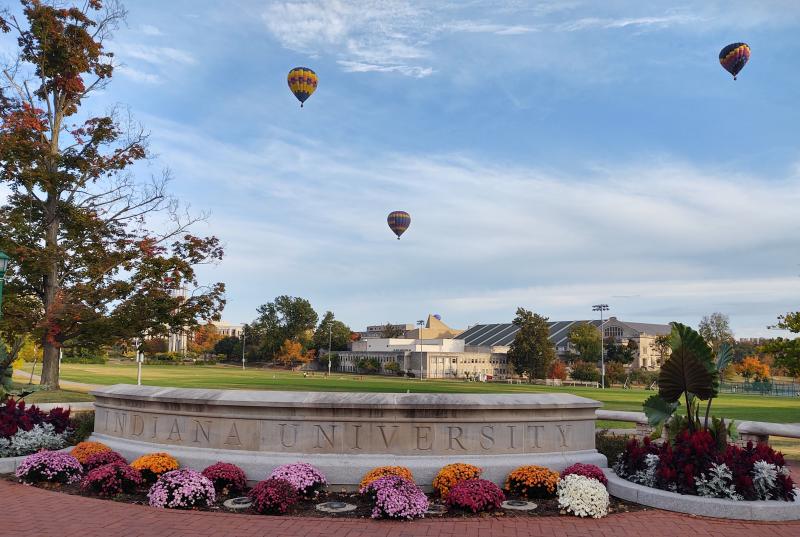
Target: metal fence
777 389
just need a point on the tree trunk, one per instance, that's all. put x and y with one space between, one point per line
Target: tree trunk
52 280
50 365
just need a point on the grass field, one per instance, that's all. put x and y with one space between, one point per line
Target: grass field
53 396
739 407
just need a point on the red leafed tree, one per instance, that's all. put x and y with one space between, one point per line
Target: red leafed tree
89 264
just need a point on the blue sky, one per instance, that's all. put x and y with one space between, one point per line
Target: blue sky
552 154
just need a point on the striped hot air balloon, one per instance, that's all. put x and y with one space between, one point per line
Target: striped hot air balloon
302 82
734 57
399 222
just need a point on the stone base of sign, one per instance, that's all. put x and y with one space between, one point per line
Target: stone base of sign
695 505
346 472
348 434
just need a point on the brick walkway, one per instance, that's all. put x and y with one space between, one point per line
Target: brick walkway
32 512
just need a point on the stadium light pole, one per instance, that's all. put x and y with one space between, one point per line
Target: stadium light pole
601 308
4 259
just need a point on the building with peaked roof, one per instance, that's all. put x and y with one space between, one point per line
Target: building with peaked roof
434 329
641 336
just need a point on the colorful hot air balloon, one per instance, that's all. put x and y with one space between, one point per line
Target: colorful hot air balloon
302 82
734 57
399 222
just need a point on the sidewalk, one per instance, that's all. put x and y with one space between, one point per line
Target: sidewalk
24 376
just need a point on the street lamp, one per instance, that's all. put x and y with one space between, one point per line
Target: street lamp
244 342
419 333
4 259
601 308
330 339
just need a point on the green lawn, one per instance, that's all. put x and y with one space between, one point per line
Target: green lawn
739 407
53 396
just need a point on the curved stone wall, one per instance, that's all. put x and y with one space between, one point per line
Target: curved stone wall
346 434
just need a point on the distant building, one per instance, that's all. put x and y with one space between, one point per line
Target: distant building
434 329
376 331
226 329
642 335
430 358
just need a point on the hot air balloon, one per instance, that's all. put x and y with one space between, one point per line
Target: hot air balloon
302 82
399 222
734 57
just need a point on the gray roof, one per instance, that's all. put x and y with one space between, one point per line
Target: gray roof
492 335
650 328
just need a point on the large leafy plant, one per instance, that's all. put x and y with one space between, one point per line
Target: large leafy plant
689 373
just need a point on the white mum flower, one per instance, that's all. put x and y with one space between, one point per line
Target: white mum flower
583 496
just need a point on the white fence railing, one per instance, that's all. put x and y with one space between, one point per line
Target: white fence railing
748 430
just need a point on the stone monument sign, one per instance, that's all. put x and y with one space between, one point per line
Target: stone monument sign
347 434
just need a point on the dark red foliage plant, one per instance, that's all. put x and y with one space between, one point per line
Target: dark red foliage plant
587 470
741 461
15 416
112 479
227 478
103 458
476 496
274 496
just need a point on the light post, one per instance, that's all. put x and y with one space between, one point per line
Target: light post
4 259
244 342
330 339
601 308
139 360
421 324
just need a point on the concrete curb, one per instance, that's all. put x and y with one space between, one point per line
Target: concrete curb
772 511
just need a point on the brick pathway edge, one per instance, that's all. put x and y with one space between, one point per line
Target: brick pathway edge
33 512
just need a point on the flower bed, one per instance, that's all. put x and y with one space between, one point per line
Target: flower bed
694 465
389 496
587 470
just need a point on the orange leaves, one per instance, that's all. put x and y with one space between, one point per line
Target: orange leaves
753 367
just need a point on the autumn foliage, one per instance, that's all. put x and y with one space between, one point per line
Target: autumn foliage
752 367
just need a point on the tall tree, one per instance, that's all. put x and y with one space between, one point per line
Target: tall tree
204 338
786 351
586 339
87 267
531 352
286 317
391 331
623 353
661 346
716 330
331 331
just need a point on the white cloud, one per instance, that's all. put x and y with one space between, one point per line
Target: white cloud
149 29
669 240
161 56
138 76
377 35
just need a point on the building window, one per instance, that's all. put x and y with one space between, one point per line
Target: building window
613 331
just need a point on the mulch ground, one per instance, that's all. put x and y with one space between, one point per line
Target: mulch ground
308 508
